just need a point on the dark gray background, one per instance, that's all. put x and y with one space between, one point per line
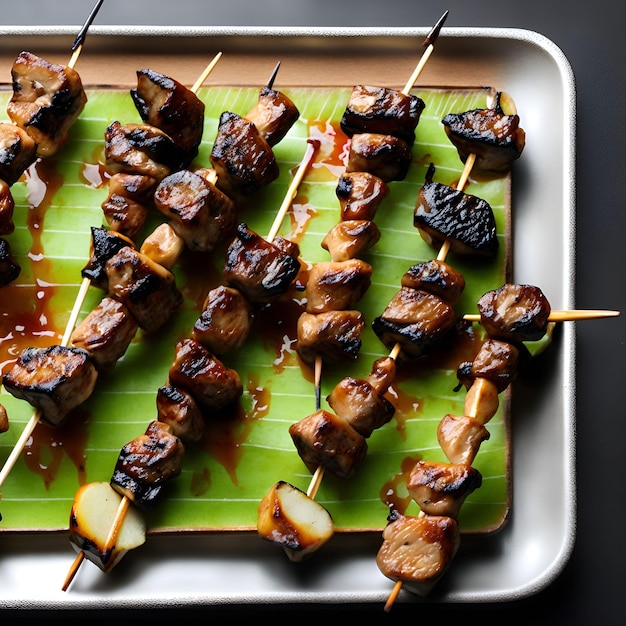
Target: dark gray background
591 588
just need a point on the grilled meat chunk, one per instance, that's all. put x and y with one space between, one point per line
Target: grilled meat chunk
323 438
104 245
460 437
337 285
261 270
441 488
124 215
170 106
360 194
385 156
105 333
418 550
382 110
436 277
350 239
47 98
7 205
273 115
334 335
242 157
55 380
225 321
494 137
18 152
514 313
9 267
163 246
204 376
178 409
146 288
466 221
198 211
4 419
146 464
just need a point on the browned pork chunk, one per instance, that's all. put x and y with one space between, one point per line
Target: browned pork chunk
17 152
360 194
54 379
7 205
385 156
4 419
104 245
146 464
47 98
436 277
177 408
273 115
9 267
460 437
350 239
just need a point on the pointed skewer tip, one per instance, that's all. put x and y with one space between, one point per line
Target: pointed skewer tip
270 82
80 38
434 32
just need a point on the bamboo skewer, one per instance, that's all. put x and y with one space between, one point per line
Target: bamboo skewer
564 315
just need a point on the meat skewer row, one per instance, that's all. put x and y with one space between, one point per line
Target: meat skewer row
417 550
148 462
381 124
46 100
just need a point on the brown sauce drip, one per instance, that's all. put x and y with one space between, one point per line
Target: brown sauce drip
390 491
333 152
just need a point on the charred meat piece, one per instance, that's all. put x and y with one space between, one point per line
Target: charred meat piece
385 156
46 100
104 245
198 211
163 246
466 221
225 321
350 239
273 115
204 376
146 288
441 488
261 270
337 285
146 464
141 149
382 110
418 550
178 409
334 335
7 206
460 437
17 152
436 277
242 157
383 373
105 333
170 106
415 319
54 380
360 194
9 268
514 313
4 419
325 439
494 137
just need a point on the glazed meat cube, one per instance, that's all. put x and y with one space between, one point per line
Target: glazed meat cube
360 194
382 110
104 245
482 400
46 100
514 313
260 270
385 156
141 149
204 376
337 285
170 106
137 187
334 335
124 215
105 333
441 488
17 152
9 267
225 321
146 288
54 380
273 115
460 437
7 205
466 221
436 277
350 239
324 439
415 319
198 211
418 550
494 137
146 464
242 157
4 419
383 373
178 409
163 246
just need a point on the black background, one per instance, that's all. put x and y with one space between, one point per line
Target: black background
591 587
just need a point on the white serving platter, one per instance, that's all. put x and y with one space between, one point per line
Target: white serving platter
224 568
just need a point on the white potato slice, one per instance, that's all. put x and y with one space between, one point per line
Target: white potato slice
289 517
91 518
